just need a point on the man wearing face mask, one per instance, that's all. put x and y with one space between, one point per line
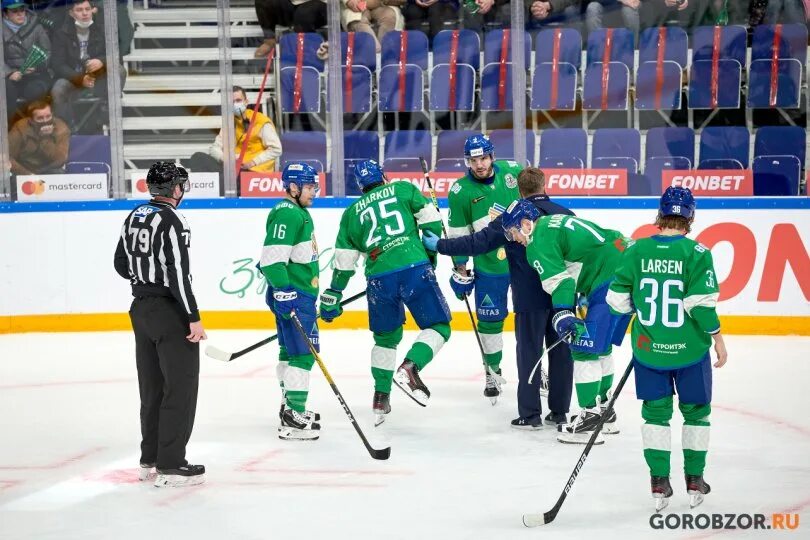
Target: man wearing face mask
79 59
263 146
38 144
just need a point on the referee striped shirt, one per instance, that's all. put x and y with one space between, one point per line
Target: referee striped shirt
152 254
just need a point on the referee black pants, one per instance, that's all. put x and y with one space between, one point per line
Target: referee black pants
168 376
530 330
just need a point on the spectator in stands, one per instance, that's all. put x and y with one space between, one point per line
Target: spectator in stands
612 14
79 60
783 11
261 149
301 15
22 32
360 15
439 14
543 13
488 14
38 143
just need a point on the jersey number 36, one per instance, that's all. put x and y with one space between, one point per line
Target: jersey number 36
671 307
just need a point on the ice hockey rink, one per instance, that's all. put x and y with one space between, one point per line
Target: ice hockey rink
68 462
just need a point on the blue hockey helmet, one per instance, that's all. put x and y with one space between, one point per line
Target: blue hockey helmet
300 174
477 146
677 201
367 173
514 215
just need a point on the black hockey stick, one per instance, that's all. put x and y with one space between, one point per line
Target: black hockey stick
466 299
383 453
218 354
533 520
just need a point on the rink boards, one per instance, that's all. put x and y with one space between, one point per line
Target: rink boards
57 272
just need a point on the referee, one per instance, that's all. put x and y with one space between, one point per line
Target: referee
152 254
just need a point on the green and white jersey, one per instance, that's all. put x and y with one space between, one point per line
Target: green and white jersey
383 225
573 255
474 204
290 253
670 283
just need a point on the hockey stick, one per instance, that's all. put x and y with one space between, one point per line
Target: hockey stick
466 299
383 453
539 360
533 520
218 354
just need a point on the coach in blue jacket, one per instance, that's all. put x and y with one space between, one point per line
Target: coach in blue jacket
532 307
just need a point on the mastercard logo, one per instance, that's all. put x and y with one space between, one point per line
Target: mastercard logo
31 187
140 185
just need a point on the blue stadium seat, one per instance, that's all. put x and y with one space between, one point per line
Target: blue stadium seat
404 148
89 149
306 146
496 75
564 148
452 87
363 49
404 59
662 59
498 47
358 64
557 60
467 45
300 73
724 148
450 165
609 61
357 146
778 53
779 154
667 148
718 54
504 143
616 148
450 145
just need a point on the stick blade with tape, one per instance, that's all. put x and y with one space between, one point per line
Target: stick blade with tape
218 354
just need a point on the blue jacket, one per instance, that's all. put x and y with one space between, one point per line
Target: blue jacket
527 293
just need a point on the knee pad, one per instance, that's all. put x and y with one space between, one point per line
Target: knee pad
657 411
388 340
443 329
491 334
281 369
607 365
697 414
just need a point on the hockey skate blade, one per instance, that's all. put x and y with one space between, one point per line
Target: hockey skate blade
217 354
661 503
171 480
292 434
609 429
412 396
534 520
493 400
579 438
695 498
379 419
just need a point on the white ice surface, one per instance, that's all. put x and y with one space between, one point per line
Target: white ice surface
70 436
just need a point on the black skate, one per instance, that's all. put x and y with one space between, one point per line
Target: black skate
187 475
543 383
609 427
529 424
492 389
297 427
696 487
661 491
580 428
407 378
381 406
555 419
315 417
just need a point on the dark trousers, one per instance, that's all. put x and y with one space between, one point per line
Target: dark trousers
436 15
168 376
306 17
530 330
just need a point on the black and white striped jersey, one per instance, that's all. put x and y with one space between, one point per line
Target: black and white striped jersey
152 254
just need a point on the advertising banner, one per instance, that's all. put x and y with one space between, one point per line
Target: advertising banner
717 183
590 182
204 185
268 184
62 187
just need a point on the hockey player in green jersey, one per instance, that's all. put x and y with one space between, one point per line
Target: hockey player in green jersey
383 225
290 264
475 200
572 255
670 283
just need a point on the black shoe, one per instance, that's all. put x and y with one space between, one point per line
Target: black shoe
407 378
555 419
187 475
529 424
661 491
381 406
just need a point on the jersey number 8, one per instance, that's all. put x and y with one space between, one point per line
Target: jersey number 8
671 308
385 212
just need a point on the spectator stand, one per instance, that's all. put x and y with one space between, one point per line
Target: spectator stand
404 62
662 60
456 61
555 73
609 63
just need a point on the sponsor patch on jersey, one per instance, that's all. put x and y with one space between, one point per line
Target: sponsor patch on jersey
495 211
501 254
456 188
478 199
314 282
145 210
511 181
487 302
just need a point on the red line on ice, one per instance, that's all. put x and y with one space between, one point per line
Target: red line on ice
55 465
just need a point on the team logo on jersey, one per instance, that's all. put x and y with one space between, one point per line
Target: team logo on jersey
456 188
644 343
511 181
487 302
314 247
314 282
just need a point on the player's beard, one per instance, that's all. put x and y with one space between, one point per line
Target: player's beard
488 174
